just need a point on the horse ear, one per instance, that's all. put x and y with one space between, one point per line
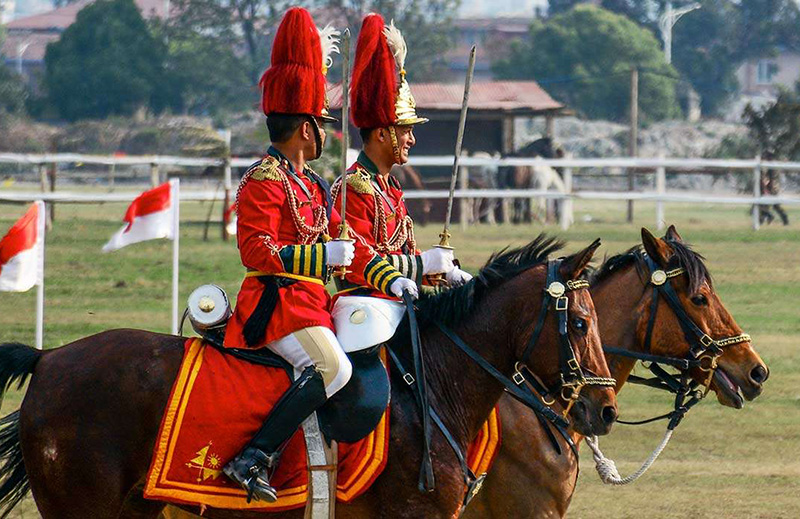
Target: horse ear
573 266
656 248
672 234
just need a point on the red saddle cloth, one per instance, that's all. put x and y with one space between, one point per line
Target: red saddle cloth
217 404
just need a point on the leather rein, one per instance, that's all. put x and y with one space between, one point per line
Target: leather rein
703 354
572 377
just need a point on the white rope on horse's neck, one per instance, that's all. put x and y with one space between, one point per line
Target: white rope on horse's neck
607 469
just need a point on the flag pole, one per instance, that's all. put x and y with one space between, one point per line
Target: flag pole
175 192
40 230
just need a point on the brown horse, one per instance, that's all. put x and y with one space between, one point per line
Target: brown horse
83 437
529 478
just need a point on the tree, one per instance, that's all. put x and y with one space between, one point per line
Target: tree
106 63
249 25
775 128
710 44
641 11
244 25
12 91
584 57
426 26
202 77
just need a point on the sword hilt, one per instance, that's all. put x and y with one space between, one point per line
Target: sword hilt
444 243
344 235
444 240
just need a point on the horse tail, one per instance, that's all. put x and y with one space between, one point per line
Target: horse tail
17 362
12 468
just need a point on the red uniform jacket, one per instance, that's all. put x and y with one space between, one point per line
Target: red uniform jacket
377 212
281 225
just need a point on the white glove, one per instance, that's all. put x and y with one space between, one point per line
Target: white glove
339 253
457 277
437 261
404 284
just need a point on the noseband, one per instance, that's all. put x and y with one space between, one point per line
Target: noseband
704 351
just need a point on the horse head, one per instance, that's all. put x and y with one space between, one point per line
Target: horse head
544 147
524 314
705 331
587 393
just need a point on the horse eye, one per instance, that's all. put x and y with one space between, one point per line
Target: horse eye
700 300
580 325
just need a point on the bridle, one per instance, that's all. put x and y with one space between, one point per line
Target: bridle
572 378
704 351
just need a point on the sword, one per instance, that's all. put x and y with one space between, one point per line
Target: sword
344 231
444 241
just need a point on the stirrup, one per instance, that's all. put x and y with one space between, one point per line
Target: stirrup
250 470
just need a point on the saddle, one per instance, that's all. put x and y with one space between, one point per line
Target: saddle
355 410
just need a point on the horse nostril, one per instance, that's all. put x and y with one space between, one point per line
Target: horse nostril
759 374
609 414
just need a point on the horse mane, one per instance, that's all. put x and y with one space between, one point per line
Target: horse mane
456 304
683 256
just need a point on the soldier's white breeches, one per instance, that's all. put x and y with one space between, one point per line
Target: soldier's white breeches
316 346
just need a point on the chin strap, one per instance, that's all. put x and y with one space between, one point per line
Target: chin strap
395 145
317 137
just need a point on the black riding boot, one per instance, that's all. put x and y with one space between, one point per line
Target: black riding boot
253 466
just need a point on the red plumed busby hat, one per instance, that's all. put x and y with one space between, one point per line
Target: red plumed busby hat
377 97
295 81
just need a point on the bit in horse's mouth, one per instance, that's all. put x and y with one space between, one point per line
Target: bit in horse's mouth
728 389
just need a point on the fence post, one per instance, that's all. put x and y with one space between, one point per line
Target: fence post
566 203
43 183
464 204
661 188
228 184
154 174
52 173
111 176
757 193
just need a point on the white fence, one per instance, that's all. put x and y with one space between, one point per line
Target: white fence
660 196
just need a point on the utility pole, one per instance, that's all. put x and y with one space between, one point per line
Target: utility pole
633 138
665 23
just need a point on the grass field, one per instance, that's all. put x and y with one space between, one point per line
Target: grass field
722 463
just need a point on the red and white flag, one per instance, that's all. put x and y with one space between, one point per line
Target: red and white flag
149 217
22 252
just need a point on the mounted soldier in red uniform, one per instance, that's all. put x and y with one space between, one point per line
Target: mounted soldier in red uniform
385 112
284 219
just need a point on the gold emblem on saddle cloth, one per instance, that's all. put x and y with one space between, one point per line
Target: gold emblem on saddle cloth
209 465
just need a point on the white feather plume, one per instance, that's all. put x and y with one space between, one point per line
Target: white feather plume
329 41
397 44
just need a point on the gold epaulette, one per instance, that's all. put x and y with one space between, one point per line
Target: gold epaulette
267 170
359 181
